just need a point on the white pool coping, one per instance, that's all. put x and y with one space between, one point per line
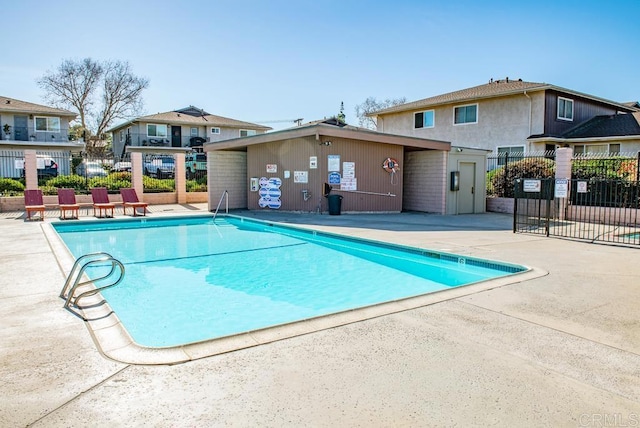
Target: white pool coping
114 342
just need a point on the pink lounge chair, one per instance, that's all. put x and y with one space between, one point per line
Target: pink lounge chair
33 203
130 199
67 202
101 202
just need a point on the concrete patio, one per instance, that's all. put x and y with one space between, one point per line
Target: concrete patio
558 350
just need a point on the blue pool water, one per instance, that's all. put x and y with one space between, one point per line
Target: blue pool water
193 279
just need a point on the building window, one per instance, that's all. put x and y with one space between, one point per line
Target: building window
47 124
122 136
465 114
247 132
424 119
565 109
156 130
194 132
215 130
596 148
510 154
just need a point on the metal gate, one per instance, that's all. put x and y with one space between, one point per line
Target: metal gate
594 210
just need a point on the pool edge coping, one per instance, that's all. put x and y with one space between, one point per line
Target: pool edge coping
114 342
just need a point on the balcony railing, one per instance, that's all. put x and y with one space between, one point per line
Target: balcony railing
142 139
21 133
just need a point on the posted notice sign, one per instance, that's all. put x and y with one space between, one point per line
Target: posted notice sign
562 188
531 185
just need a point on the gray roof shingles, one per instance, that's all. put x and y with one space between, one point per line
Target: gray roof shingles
617 125
495 88
11 105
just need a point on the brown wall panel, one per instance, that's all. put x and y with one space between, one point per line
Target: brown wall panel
583 109
294 155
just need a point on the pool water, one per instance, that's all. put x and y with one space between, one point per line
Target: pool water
194 279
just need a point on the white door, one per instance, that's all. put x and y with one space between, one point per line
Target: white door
466 194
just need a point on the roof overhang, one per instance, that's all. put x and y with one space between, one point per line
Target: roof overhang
27 145
416 106
583 140
322 130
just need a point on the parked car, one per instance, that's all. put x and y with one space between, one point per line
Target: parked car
196 165
91 169
160 167
122 167
47 167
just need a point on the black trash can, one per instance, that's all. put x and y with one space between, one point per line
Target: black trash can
335 202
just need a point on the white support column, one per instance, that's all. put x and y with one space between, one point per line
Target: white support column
30 169
180 178
137 173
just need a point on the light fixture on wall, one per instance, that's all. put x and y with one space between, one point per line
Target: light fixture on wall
459 149
325 143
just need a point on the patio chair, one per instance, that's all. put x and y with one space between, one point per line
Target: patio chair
33 203
130 199
101 202
67 202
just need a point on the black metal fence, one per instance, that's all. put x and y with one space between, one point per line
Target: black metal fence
596 210
504 168
80 171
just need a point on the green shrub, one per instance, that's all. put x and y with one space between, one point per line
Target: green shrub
502 181
604 169
196 186
155 185
49 190
113 183
11 187
79 184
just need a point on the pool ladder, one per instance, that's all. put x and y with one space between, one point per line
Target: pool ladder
224 193
75 275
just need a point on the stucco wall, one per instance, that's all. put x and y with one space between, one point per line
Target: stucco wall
506 121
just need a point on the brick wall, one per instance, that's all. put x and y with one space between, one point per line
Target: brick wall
425 181
227 171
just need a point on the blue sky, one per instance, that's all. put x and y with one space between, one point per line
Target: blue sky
280 60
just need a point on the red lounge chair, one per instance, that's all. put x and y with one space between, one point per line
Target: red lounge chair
101 202
67 202
33 202
130 199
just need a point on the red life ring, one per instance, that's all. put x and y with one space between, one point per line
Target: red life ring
391 165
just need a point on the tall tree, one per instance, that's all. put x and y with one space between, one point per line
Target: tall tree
371 105
100 92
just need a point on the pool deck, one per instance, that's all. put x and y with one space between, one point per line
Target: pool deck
561 349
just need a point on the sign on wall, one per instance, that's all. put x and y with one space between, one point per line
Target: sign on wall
313 162
531 186
270 193
562 188
300 176
334 178
272 168
333 162
348 170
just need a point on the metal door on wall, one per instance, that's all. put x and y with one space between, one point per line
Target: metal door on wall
176 136
21 131
466 194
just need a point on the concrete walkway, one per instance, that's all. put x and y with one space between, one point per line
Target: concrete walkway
559 350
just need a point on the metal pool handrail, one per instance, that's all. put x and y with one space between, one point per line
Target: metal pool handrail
78 270
225 193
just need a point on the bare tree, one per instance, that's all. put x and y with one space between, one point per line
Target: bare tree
76 85
371 105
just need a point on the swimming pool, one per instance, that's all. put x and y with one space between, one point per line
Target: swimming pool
194 279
